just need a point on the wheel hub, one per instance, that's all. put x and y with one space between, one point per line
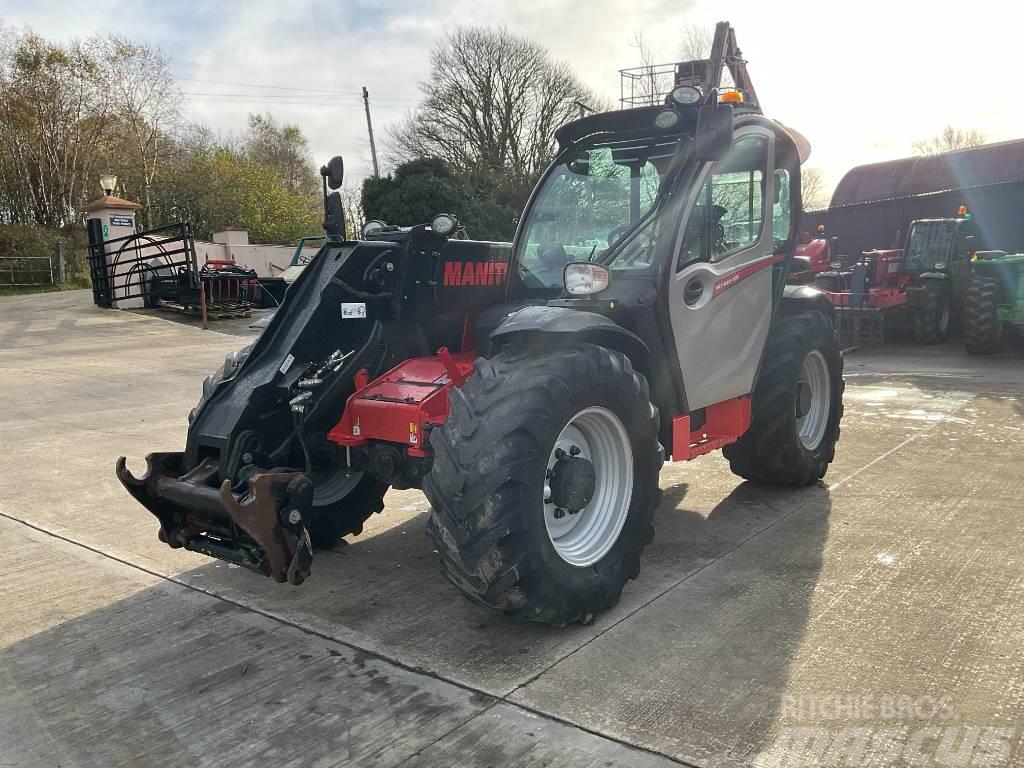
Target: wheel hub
803 399
573 482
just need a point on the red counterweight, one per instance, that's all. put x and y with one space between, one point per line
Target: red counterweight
402 405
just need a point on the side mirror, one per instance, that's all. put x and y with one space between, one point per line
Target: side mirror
714 131
334 172
334 215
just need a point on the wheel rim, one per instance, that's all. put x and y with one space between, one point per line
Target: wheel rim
583 538
813 395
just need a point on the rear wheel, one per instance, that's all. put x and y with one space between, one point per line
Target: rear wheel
342 500
983 330
932 319
545 482
797 405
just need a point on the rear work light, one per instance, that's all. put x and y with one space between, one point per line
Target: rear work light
582 278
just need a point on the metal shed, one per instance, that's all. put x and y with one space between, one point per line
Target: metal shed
874 204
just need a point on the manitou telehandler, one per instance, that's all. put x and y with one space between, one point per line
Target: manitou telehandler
924 283
531 390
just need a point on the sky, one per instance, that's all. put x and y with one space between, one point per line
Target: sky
860 80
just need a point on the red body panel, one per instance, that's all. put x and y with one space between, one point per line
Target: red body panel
888 265
404 404
724 423
819 252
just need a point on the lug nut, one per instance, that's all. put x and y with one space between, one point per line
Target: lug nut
247 458
559 514
294 517
575 451
559 454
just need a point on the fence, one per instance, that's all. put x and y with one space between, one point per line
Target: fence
28 271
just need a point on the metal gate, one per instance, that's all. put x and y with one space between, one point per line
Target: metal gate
134 266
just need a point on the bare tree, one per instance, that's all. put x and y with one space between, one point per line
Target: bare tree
143 98
813 193
492 103
695 42
950 140
52 117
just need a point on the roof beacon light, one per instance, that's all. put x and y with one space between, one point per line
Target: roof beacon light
731 97
962 210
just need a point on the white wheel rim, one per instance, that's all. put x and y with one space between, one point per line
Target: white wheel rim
583 538
815 376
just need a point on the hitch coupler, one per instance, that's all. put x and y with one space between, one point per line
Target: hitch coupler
260 528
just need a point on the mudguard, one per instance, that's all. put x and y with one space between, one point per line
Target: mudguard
553 326
801 298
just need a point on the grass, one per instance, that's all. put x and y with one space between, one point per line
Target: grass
25 290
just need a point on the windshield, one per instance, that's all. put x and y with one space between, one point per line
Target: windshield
930 242
588 203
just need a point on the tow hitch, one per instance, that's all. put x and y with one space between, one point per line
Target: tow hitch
260 528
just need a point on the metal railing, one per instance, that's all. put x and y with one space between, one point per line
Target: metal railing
31 271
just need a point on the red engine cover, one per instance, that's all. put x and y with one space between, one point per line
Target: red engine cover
888 265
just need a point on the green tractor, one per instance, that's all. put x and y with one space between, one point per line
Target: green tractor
995 300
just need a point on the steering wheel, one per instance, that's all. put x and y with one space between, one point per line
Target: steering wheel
616 234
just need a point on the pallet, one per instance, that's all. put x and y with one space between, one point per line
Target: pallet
214 311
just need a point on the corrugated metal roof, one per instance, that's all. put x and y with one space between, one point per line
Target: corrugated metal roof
982 166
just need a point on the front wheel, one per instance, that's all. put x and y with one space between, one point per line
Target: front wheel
545 482
797 405
932 319
983 331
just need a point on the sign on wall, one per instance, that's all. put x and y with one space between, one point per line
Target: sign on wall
122 220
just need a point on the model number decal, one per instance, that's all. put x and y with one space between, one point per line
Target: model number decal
352 310
474 273
729 281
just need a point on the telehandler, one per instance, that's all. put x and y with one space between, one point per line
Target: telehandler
532 390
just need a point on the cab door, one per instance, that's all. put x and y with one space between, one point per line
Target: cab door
720 287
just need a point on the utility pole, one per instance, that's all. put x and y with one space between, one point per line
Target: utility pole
369 129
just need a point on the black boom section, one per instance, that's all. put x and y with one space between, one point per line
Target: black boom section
307 328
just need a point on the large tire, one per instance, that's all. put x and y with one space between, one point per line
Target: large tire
982 329
932 319
344 507
487 486
772 451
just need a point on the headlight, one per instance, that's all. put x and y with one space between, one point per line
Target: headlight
666 119
372 227
686 95
444 224
939 266
583 278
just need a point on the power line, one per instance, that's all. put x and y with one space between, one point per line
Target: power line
295 90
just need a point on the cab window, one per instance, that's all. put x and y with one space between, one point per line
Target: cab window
728 214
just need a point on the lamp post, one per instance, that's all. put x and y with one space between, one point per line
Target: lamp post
108 182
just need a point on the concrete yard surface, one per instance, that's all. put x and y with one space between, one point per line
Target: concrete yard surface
873 619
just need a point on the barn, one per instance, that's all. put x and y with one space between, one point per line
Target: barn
874 204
